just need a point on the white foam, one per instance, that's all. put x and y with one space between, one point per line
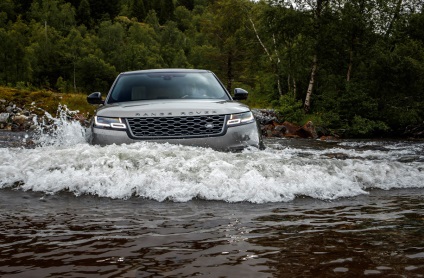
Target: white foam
64 162
168 172
59 130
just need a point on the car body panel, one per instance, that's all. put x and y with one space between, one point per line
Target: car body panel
235 139
231 137
172 107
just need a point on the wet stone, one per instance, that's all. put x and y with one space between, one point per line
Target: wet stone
4 117
409 159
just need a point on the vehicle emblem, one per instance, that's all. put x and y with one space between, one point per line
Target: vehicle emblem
137 114
209 126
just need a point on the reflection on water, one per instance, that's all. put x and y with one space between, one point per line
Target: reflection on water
66 236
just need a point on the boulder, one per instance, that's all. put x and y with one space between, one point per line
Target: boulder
290 130
415 131
4 117
19 119
265 116
20 122
308 131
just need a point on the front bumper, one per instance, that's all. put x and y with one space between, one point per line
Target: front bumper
235 138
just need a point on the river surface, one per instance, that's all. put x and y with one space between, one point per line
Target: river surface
300 208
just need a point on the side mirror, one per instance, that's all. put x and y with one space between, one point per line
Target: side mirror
240 94
95 98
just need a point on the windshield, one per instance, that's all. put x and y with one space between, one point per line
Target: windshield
148 86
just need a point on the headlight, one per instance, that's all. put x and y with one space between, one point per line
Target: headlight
242 118
109 122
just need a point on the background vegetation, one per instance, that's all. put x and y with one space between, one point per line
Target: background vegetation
354 66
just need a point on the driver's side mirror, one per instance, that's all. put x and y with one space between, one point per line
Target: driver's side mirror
240 94
95 98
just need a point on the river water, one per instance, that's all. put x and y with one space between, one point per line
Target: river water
300 208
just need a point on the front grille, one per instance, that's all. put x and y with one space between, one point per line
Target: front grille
177 127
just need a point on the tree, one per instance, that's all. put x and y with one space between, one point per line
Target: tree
138 10
225 23
279 31
44 53
54 13
143 49
76 47
101 10
317 12
170 36
95 74
7 11
84 13
14 64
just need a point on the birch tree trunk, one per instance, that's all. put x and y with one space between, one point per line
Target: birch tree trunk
276 63
394 18
307 104
318 9
350 65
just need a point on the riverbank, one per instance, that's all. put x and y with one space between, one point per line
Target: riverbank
20 110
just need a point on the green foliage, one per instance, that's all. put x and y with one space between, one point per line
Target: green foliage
290 109
53 13
95 74
363 127
370 54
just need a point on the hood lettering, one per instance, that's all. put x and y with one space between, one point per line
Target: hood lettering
184 113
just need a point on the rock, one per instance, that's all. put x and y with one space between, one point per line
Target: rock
328 138
4 117
19 119
341 156
20 122
308 130
290 129
281 129
293 131
415 131
409 158
265 116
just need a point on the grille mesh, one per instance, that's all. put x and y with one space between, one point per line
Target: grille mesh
177 127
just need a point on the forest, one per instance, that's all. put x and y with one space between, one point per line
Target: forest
353 67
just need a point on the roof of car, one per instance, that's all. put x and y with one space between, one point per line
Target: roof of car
165 71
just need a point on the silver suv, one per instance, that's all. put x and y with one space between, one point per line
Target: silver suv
178 106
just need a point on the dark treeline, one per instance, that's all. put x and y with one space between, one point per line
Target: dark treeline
346 65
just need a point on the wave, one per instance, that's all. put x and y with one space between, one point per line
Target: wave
170 172
62 161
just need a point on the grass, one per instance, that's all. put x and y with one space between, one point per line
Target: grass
46 100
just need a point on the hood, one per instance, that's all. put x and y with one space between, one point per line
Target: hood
171 108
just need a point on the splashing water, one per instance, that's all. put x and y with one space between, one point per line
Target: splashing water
63 161
60 130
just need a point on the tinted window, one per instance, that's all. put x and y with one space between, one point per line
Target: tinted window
147 86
